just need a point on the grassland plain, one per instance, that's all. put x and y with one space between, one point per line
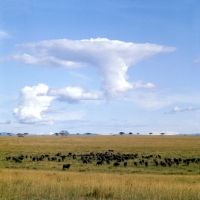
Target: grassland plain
46 179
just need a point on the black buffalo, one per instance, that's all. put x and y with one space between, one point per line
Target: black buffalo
116 164
99 162
66 166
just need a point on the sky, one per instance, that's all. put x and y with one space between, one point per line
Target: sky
100 66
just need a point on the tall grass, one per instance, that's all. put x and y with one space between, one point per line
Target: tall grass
23 184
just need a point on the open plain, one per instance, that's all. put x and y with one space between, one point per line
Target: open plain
149 167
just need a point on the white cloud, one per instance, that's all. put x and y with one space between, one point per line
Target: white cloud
140 85
197 61
33 101
177 109
71 94
5 122
4 35
165 132
158 98
111 57
40 134
8 122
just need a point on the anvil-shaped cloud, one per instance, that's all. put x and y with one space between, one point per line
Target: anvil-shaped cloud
111 57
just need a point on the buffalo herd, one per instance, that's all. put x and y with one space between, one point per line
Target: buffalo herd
108 158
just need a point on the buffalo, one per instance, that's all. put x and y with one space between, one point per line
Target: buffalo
99 162
116 164
66 166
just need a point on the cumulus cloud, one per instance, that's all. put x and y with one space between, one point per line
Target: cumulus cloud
177 109
72 94
111 57
35 101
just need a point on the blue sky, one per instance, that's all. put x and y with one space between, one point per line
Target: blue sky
100 66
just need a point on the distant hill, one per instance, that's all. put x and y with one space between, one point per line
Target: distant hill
5 134
193 134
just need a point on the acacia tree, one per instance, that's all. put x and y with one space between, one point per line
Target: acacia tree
20 134
121 133
162 134
130 133
56 134
138 133
150 133
64 133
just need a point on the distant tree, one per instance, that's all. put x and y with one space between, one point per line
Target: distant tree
138 133
9 134
130 133
150 133
162 134
56 134
21 134
121 133
64 133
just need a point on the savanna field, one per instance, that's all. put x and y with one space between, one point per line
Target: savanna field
149 167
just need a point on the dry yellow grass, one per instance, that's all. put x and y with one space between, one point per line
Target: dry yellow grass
23 184
165 144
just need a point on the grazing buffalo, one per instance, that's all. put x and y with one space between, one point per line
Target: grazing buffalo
17 159
107 161
116 164
159 156
85 161
156 162
99 162
66 166
163 164
8 158
63 157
